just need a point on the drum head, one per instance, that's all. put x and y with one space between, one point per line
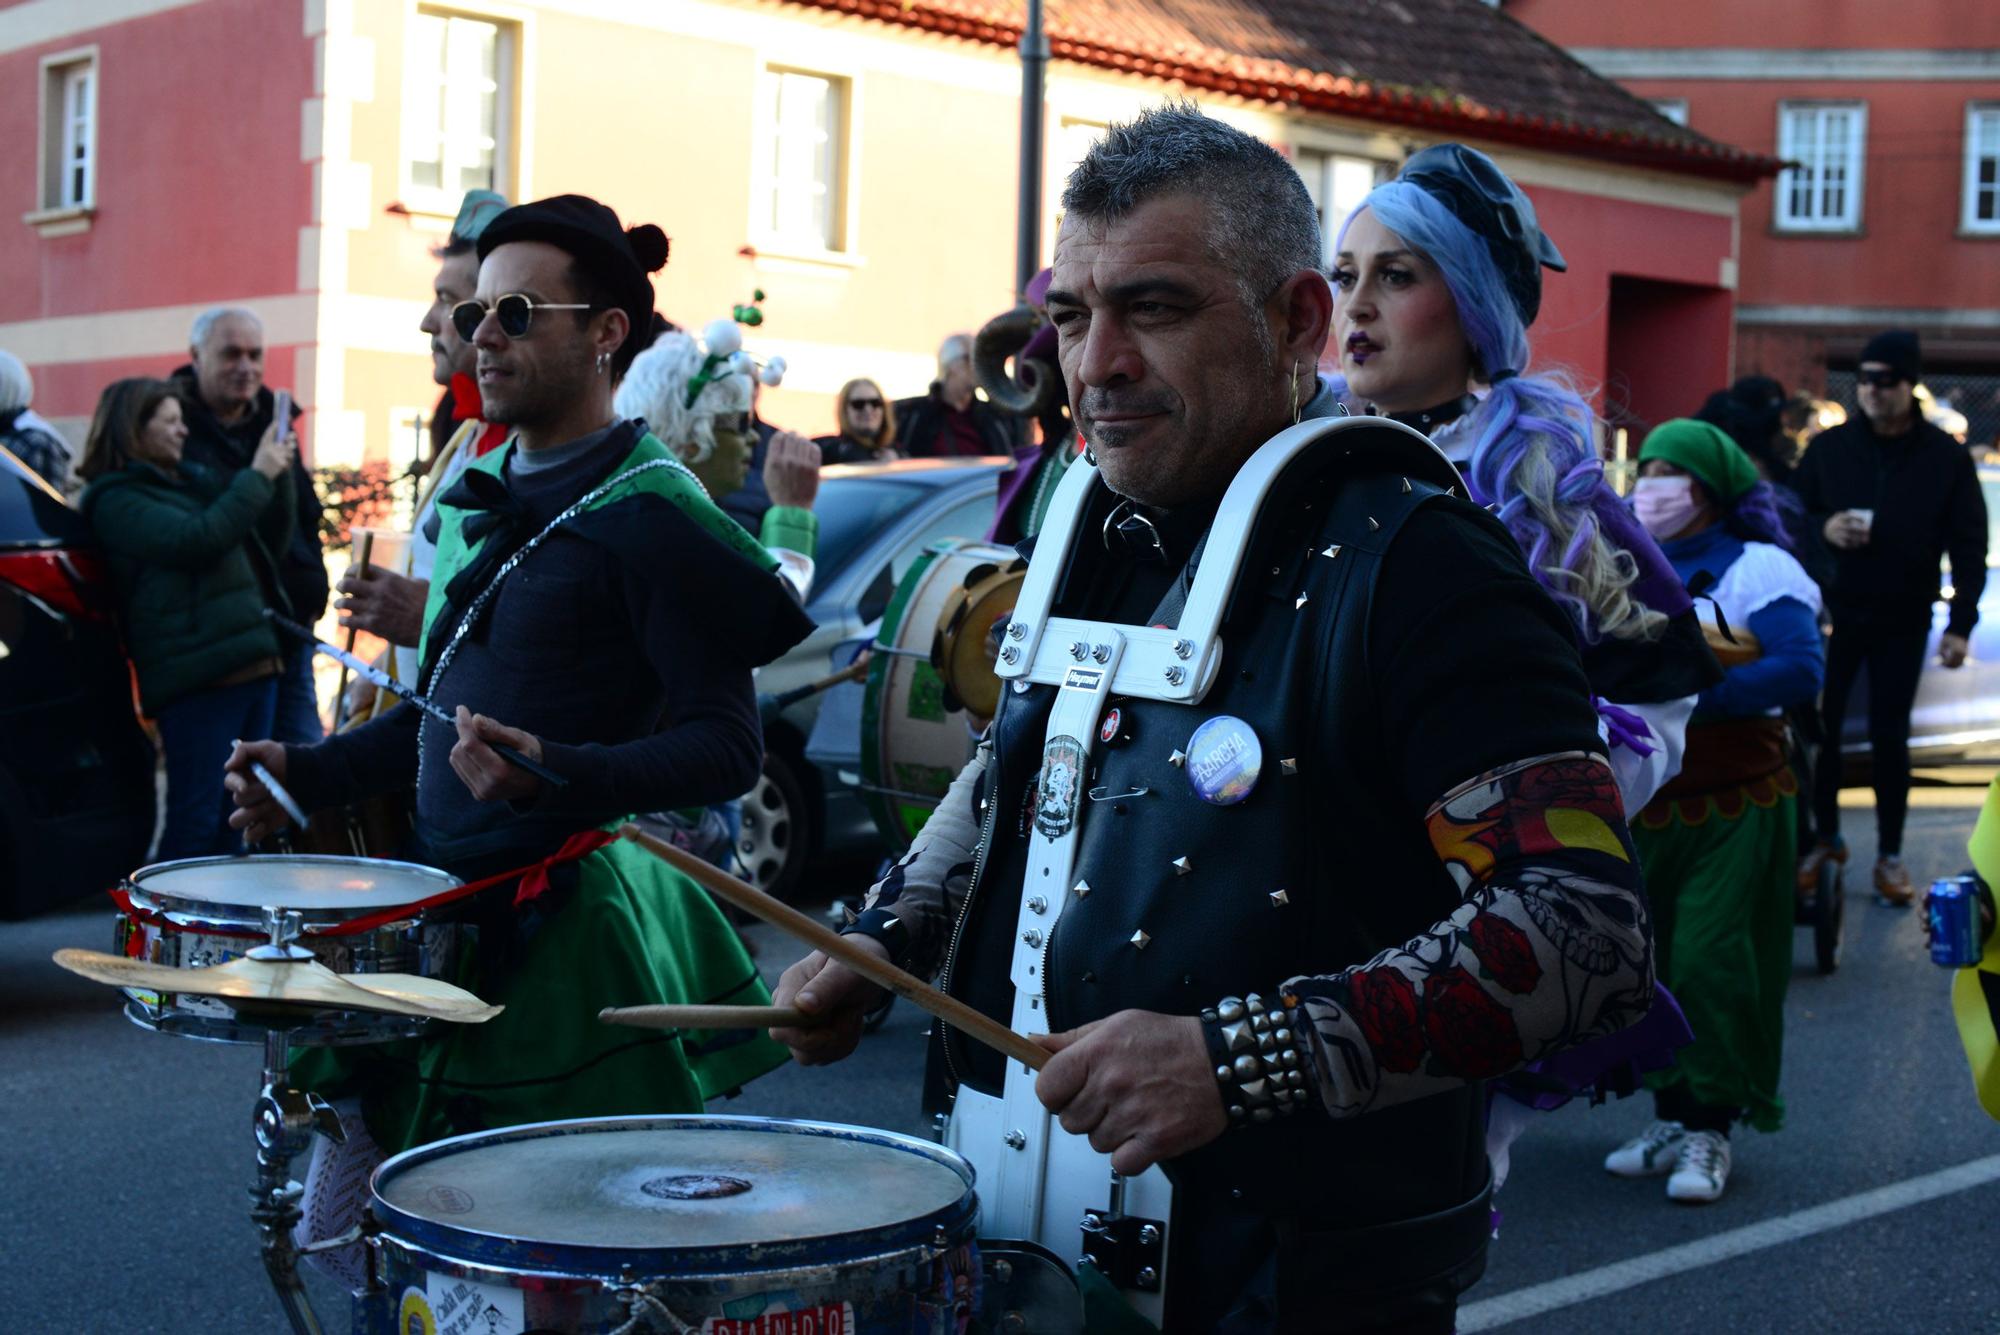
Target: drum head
307 883
684 1185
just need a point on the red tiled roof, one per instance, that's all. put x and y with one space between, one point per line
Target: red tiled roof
1447 67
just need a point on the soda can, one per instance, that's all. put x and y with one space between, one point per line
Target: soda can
1952 907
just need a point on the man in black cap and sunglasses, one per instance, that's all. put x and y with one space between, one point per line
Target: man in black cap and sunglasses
592 609
1892 494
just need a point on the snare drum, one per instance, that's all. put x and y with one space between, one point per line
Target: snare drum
202 911
724 1225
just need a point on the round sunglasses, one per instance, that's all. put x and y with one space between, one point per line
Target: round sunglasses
514 311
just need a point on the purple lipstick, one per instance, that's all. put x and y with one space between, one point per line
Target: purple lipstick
1361 347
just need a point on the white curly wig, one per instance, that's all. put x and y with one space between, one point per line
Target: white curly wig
655 388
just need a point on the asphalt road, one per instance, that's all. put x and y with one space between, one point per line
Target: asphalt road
124 1157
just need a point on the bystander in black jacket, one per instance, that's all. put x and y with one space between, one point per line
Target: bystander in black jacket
928 428
226 450
1925 494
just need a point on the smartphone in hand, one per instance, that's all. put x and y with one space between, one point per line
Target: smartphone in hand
282 413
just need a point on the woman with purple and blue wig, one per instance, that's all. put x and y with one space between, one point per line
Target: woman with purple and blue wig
1437 278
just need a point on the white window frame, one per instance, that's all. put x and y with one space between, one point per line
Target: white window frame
444 199
1982 130
68 135
1319 168
838 242
1674 109
1791 148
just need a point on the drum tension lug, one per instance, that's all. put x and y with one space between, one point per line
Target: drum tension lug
1128 1251
336 1242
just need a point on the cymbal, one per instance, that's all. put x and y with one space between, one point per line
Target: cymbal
306 983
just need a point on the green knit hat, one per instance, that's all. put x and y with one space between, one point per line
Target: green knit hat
1706 451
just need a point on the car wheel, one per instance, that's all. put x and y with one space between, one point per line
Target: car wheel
776 837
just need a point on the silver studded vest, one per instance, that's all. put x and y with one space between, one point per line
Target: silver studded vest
1319 868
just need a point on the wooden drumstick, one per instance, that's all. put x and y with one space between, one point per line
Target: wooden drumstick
908 986
363 551
854 671
708 1017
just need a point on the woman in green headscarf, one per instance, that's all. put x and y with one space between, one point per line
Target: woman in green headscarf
1717 843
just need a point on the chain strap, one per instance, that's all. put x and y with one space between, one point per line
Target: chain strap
479 604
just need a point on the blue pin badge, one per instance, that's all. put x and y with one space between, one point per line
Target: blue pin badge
1224 759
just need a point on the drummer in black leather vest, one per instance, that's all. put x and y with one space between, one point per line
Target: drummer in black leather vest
1430 878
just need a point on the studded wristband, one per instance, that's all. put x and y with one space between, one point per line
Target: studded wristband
885 927
1257 1061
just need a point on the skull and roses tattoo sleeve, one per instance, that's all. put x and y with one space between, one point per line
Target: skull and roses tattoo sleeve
1550 947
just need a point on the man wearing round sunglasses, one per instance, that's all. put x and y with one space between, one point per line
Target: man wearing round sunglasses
1892 494
591 608
387 599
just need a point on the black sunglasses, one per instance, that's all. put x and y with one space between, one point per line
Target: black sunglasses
514 311
858 404
1882 379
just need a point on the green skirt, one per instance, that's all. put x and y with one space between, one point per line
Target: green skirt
1719 877
634 932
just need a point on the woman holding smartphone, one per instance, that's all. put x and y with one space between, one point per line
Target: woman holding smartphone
192 554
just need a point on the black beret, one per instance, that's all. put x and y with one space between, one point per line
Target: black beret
605 248
1475 190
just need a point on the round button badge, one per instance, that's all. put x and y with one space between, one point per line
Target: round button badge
1224 760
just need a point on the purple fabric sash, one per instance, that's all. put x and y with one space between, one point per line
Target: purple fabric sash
1605 1066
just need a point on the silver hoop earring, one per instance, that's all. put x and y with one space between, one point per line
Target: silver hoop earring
603 362
1090 454
1297 407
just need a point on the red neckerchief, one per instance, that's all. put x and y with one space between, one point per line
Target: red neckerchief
467 407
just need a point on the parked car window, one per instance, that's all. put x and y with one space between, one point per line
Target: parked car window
968 519
852 510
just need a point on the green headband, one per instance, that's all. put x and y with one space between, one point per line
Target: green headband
1706 451
713 368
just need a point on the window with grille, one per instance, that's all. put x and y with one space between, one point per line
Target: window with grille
801 163
69 133
1337 183
1982 169
457 109
1825 145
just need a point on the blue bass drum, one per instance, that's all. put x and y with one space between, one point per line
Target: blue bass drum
722 1225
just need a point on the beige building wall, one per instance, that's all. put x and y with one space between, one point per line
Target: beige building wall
653 107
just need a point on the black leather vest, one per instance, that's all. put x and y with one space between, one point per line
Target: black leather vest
1355 866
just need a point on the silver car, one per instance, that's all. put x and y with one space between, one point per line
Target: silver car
874 520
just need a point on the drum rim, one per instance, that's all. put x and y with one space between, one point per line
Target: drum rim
472 1246
220 913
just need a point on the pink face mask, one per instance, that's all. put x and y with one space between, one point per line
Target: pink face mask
1664 505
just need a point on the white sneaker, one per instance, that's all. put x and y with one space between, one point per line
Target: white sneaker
1702 1168
1649 1153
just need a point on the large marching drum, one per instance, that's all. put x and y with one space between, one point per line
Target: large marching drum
723 1225
931 686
